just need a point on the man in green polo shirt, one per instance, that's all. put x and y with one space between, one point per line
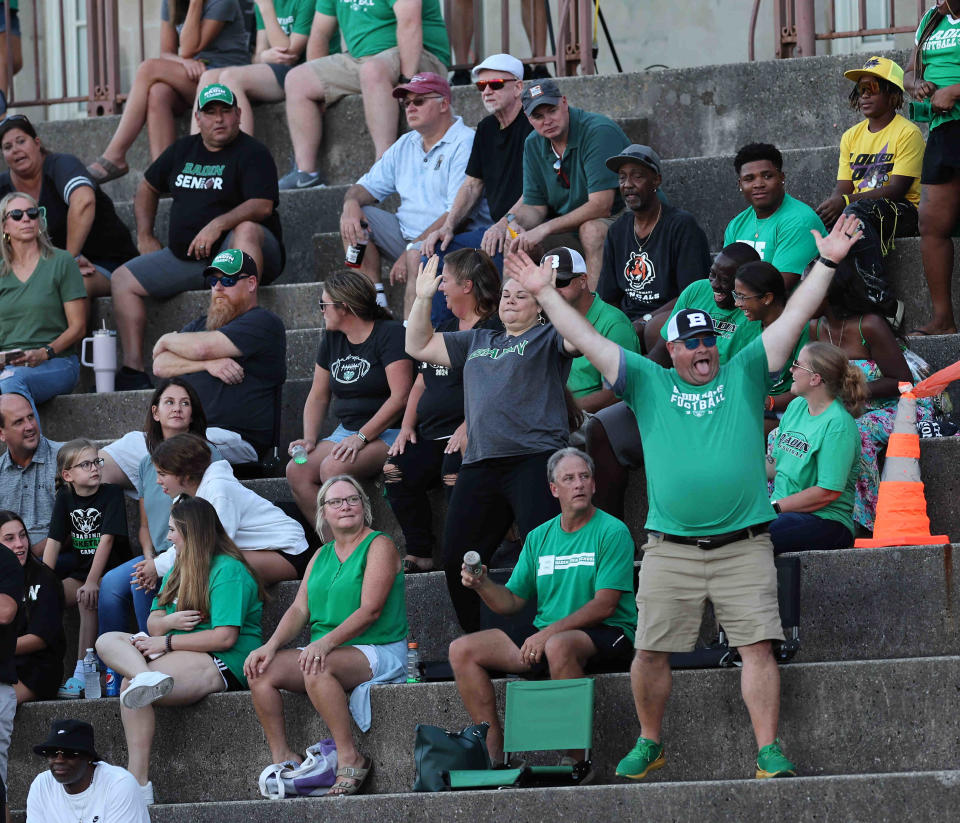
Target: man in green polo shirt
570 197
584 382
578 566
708 507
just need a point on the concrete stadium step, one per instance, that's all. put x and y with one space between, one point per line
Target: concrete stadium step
109 416
295 303
690 112
867 717
881 798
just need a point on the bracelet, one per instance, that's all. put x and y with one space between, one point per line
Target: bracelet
846 199
768 403
169 642
828 263
362 436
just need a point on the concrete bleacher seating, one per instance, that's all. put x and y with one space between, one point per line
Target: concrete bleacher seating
868 707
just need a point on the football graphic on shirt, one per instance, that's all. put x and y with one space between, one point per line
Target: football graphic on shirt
349 369
85 521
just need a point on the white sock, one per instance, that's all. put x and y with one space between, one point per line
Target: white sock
381 295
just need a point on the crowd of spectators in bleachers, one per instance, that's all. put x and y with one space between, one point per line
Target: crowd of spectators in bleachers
552 295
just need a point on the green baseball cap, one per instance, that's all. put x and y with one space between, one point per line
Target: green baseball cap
232 262
215 93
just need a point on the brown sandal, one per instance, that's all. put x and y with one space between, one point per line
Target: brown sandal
355 777
112 170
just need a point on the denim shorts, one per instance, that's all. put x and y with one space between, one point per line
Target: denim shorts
340 433
14 21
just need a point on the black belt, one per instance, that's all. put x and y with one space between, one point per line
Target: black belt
715 541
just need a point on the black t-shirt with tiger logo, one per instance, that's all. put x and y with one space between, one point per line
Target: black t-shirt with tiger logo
641 277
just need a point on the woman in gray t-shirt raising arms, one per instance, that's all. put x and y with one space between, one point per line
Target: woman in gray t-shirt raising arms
516 414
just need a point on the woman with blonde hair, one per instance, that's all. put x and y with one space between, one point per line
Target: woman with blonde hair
363 367
816 453
204 623
43 306
354 599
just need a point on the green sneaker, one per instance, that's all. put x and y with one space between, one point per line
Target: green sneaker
771 762
646 756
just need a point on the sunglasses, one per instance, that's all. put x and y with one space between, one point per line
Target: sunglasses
496 85
87 465
180 498
693 343
797 365
561 174
66 754
338 502
418 101
18 214
868 85
227 280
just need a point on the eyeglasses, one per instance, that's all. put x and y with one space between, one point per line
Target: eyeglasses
418 101
693 343
797 365
868 85
227 280
18 214
561 174
496 85
87 465
741 298
323 305
66 754
338 502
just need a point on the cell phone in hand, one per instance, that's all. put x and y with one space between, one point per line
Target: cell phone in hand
10 356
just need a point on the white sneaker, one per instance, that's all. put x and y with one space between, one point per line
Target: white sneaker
146 792
145 688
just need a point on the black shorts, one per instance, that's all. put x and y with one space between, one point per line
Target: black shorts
70 564
42 674
280 72
620 424
941 160
298 561
229 678
614 649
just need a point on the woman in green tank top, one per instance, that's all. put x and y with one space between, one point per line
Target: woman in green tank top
353 597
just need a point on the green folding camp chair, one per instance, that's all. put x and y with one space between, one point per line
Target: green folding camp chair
541 715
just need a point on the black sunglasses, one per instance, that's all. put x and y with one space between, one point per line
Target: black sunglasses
227 280
561 174
496 85
18 214
66 754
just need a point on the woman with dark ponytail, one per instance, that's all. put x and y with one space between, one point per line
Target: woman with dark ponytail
816 454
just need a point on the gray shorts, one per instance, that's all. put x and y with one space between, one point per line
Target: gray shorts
385 232
163 274
8 708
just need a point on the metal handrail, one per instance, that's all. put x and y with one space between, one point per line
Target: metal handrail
795 30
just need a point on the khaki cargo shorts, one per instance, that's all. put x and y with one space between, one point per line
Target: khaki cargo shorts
740 580
340 73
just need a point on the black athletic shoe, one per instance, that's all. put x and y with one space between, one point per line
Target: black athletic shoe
461 77
131 380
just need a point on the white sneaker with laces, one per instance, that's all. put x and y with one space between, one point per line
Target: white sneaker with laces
145 688
146 792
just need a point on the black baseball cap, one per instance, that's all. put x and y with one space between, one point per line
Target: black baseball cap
688 323
540 93
566 262
635 153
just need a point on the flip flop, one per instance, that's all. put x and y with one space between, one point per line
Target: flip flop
112 171
345 788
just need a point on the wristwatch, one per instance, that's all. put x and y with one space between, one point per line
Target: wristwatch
50 352
776 506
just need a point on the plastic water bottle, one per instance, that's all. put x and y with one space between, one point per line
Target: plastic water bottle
413 663
299 454
91 675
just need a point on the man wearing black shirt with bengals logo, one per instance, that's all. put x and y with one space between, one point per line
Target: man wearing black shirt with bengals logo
654 250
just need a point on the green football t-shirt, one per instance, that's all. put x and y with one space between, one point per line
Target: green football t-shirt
783 239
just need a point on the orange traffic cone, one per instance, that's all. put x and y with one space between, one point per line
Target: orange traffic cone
901 505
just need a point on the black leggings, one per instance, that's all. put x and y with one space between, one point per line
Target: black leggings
407 479
488 497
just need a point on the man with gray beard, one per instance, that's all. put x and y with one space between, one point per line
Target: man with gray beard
235 356
495 168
